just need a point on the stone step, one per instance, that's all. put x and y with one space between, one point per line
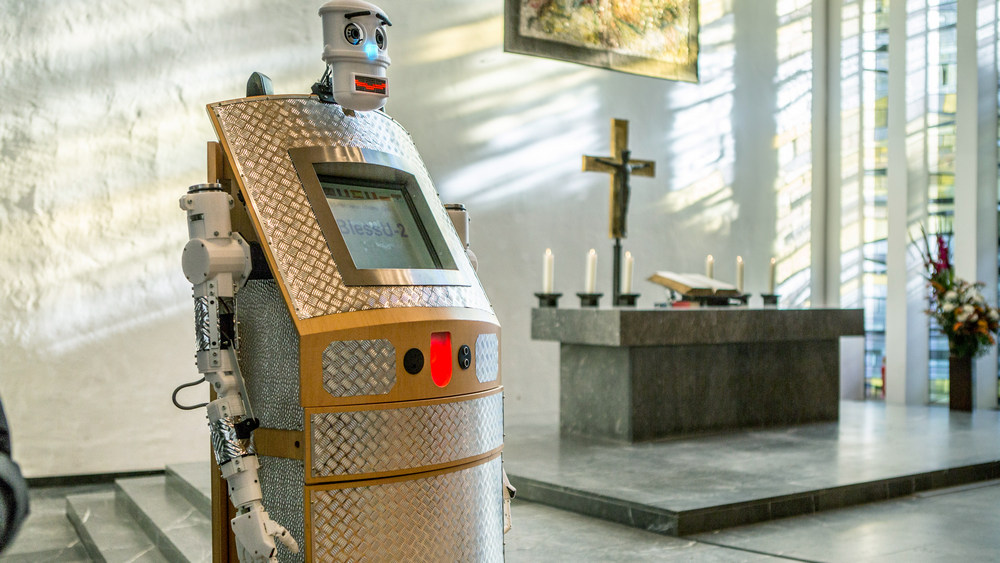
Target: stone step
108 531
194 481
180 529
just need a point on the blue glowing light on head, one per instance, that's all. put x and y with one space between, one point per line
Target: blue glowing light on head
371 50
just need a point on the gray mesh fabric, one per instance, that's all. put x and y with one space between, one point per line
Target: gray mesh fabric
282 483
269 355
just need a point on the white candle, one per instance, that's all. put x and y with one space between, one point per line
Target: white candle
739 274
590 282
710 267
548 271
627 273
770 285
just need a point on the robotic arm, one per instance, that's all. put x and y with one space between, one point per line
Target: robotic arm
217 262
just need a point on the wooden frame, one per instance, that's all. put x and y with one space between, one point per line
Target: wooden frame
616 36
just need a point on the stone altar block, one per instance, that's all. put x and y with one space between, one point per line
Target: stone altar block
636 375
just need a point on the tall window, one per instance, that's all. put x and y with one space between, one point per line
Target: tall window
942 72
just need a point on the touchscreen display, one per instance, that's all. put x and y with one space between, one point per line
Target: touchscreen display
379 226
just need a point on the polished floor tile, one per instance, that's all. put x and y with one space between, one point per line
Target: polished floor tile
872 443
956 524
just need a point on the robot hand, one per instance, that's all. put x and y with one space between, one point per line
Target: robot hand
255 535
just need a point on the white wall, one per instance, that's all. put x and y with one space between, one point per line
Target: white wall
102 128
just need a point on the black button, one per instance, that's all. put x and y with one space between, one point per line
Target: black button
464 357
413 361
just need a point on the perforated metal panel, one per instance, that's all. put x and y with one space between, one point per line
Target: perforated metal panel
259 133
487 357
455 516
359 367
282 484
373 441
269 355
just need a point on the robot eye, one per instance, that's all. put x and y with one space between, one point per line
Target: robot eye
354 34
380 38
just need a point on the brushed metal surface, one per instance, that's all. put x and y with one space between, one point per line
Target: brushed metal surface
359 367
487 357
456 516
359 442
259 133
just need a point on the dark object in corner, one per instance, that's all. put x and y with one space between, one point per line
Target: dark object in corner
13 489
259 85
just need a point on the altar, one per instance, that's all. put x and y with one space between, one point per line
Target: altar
635 375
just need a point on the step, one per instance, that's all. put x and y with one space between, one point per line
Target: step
178 528
194 481
108 531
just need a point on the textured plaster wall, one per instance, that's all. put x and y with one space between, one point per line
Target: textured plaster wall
102 128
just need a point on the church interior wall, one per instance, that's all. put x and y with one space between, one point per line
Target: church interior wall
103 127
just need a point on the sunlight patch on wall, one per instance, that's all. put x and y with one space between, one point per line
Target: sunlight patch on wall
458 41
793 143
701 144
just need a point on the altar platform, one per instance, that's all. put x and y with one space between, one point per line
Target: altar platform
695 484
645 374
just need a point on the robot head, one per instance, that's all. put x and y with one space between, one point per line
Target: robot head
355 42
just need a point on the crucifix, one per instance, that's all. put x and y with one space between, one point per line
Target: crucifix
621 167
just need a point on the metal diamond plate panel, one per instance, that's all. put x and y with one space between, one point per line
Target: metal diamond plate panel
259 133
282 483
359 367
269 355
487 357
373 441
455 516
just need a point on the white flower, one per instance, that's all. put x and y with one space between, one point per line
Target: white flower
993 315
948 307
951 296
962 314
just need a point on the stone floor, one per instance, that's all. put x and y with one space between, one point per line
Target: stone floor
872 443
957 524
701 483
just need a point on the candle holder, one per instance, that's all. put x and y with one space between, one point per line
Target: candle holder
743 299
548 299
589 299
627 299
770 299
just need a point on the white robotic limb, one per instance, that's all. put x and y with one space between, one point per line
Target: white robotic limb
217 262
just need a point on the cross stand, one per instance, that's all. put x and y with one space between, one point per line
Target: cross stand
621 167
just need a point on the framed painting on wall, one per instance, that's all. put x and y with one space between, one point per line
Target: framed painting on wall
656 38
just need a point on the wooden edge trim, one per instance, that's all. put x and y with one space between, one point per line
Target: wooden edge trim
404 404
271 442
466 464
364 477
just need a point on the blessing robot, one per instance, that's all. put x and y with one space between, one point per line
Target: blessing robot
352 353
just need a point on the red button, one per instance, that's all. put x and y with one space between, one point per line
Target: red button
441 358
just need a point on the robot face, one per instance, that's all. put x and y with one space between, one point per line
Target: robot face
355 41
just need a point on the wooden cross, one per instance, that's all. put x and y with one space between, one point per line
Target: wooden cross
621 167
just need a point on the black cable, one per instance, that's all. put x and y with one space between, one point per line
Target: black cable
173 397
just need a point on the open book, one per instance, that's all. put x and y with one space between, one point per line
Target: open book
694 285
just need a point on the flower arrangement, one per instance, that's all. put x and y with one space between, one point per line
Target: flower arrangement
957 305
